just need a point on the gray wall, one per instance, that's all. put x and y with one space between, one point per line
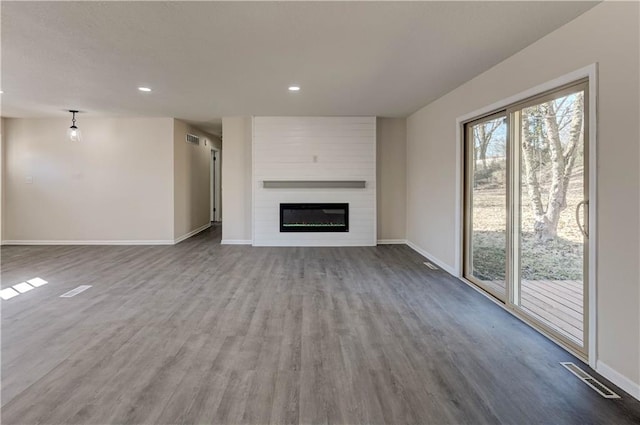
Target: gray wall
391 178
236 180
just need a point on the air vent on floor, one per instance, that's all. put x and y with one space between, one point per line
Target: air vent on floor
192 138
431 266
590 380
76 291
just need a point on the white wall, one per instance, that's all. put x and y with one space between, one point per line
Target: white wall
236 180
114 186
314 148
192 183
431 162
391 161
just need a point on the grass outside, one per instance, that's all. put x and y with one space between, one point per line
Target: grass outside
559 259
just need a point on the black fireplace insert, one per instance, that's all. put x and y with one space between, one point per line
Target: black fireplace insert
314 217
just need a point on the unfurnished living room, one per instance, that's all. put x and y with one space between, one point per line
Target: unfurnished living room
320 212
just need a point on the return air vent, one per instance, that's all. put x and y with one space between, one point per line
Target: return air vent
590 380
192 138
76 291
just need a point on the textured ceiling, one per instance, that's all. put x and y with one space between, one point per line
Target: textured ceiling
205 60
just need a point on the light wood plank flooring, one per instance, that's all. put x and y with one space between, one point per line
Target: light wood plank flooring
203 333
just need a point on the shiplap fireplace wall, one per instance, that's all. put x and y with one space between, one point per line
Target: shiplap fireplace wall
307 151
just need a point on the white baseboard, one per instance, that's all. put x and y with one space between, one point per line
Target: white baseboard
392 241
88 242
235 242
444 266
619 379
192 233
311 244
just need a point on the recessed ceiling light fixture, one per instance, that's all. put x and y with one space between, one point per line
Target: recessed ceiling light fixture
294 88
144 89
73 133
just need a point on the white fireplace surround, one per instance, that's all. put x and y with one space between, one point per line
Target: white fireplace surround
308 160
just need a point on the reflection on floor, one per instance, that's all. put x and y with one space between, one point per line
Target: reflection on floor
557 303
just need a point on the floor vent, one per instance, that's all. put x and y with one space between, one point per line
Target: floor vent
590 380
431 266
76 291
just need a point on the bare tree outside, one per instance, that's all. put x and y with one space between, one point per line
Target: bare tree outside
552 140
549 165
552 167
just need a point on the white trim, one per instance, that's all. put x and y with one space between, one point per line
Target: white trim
191 233
212 183
444 266
392 241
217 216
590 72
459 201
235 242
618 379
375 178
312 244
88 242
251 182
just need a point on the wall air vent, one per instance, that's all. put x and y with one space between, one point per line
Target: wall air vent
192 138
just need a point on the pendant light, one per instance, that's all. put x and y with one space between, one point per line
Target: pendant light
73 134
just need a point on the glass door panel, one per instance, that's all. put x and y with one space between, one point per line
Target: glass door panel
486 212
551 244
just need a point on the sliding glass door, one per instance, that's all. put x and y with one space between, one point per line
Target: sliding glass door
526 199
552 192
486 198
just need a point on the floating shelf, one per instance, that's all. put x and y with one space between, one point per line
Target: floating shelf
314 184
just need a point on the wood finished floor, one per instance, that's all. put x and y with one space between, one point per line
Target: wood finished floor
203 333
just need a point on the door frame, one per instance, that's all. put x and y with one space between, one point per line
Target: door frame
215 186
466 264
591 73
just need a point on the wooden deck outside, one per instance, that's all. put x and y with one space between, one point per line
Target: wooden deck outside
558 303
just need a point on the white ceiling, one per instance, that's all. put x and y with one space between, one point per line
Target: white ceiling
205 60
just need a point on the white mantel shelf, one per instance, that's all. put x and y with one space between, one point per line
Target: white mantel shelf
314 184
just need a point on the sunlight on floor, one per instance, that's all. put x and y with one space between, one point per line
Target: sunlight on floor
21 288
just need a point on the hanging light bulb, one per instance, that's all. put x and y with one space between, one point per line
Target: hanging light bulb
73 133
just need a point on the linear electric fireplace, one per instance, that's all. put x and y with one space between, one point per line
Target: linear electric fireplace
314 217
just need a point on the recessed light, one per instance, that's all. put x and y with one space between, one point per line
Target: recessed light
1 92
294 88
144 89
